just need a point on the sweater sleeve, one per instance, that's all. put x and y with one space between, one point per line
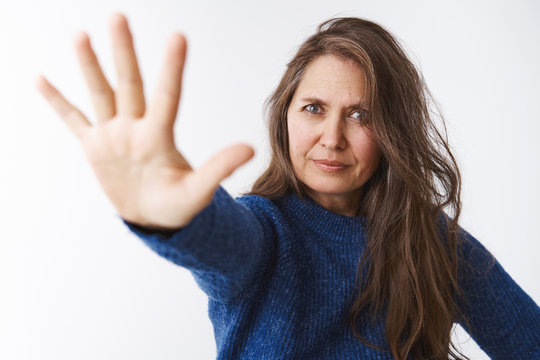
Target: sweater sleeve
504 321
224 247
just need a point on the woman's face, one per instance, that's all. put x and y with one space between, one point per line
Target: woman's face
331 150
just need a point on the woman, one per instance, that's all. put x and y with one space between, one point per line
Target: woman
342 249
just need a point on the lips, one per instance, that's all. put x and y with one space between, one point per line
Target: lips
330 165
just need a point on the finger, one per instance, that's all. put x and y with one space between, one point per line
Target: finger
129 97
164 106
222 165
72 116
100 91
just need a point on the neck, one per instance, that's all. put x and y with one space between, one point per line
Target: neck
342 204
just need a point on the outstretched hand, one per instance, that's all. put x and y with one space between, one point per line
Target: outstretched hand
130 147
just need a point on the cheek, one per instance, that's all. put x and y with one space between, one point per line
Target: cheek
366 150
299 139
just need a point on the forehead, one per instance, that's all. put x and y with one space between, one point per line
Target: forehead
329 73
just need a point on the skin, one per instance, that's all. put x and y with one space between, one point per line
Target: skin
131 146
325 127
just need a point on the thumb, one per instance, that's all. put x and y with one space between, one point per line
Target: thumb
222 165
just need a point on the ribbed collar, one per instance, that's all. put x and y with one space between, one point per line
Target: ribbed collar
323 221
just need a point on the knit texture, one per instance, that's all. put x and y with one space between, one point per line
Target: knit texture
280 278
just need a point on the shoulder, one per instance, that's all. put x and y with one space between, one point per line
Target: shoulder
271 213
473 257
259 205
468 245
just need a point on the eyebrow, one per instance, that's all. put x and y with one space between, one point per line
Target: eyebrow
313 99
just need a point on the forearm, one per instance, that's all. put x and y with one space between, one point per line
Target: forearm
224 246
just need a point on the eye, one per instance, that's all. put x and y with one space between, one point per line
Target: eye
313 108
360 115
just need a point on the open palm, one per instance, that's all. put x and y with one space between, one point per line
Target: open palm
131 148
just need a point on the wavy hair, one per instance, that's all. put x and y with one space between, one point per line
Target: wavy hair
409 268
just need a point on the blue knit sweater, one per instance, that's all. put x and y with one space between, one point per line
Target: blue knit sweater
279 277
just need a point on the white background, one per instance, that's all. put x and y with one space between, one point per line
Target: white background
75 284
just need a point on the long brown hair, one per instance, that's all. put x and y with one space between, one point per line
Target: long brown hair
411 257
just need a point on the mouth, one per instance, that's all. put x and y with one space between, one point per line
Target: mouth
330 166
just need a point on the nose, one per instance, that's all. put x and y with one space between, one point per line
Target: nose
333 134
